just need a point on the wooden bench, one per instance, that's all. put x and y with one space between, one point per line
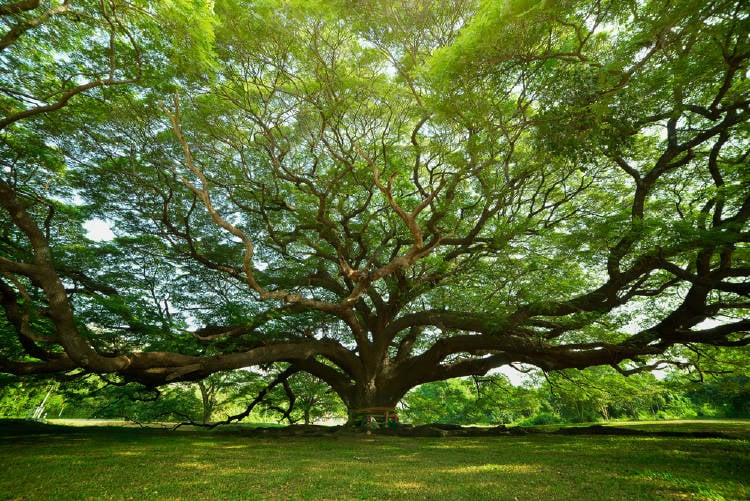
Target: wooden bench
376 417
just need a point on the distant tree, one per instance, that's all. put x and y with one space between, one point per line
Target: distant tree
602 393
314 399
501 402
486 400
304 398
725 396
20 399
446 401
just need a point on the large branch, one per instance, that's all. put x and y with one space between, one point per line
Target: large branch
18 7
60 102
479 353
52 366
463 368
22 26
157 368
43 274
717 336
342 384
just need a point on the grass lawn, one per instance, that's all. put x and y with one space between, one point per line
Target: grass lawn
144 464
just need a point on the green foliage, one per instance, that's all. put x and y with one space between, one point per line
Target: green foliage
191 24
567 397
209 400
94 399
541 419
489 400
21 398
378 191
572 396
723 396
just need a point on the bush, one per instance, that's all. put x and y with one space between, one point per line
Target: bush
541 419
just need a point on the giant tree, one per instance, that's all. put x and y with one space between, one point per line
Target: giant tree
384 194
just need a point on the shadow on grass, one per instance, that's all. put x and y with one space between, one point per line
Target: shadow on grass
121 463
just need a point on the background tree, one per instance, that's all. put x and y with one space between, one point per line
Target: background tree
487 400
387 195
600 393
315 400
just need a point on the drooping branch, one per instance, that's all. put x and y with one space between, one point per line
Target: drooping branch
42 273
291 398
655 366
280 379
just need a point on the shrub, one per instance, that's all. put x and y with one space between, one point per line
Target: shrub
541 419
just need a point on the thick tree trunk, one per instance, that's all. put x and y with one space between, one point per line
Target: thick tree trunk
373 399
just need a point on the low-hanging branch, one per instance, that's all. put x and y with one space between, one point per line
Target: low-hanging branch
281 379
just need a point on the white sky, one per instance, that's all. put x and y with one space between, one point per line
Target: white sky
98 230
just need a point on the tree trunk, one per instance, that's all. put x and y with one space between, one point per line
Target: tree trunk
206 401
375 399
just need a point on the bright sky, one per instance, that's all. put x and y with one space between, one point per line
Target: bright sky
98 230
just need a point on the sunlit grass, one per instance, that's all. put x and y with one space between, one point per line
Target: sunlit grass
157 464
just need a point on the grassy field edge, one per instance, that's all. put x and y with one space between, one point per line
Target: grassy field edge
97 462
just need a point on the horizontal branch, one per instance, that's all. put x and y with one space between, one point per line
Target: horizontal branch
18 7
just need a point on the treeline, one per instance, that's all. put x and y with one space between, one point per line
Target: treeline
572 396
298 398
594 394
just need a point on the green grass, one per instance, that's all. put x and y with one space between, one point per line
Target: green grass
130 463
